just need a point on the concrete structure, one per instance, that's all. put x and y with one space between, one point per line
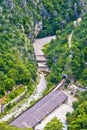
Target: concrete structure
41 62
75 89
40 57
40 110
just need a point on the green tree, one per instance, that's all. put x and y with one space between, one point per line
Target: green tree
54 124
9 84
75 104
4 126
84 76
78 119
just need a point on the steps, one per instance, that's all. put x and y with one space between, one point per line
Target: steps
41 62
39 54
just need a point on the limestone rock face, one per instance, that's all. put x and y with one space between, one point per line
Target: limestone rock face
37 13
24 3
10 3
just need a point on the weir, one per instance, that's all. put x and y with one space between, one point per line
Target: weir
40 56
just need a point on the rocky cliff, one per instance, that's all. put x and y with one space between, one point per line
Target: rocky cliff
20 22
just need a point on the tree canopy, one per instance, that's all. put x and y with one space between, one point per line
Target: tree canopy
65 60
78 119
4 126
54 124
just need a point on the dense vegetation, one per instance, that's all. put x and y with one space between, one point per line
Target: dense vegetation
78 119
58 13
65 60
54 124
58 55
17 26
17 62
79 49
72 62
6 127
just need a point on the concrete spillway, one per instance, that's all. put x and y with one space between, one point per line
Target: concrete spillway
40 57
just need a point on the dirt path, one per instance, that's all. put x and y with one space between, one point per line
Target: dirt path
70 39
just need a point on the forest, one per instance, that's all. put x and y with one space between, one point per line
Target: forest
17 23
18 20
57 14
78 119
69 61
17 60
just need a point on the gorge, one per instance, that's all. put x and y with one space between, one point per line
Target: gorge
22 62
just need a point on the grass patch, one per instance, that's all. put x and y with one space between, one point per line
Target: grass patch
14 94
44 49
33 102
49 88
13 106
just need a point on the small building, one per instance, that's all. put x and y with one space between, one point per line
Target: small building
76 88
73 88
40 110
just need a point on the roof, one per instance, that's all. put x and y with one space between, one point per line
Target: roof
40 110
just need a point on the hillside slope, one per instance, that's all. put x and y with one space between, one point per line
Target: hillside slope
23 20
69 61
17 61
56 14
20 22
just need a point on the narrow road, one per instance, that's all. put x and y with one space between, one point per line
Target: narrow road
70 39
76 24
38 44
